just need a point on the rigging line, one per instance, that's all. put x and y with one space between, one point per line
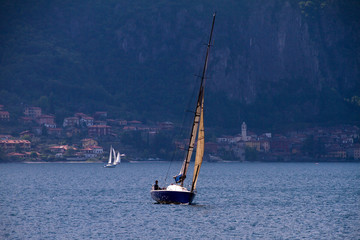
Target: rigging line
182 129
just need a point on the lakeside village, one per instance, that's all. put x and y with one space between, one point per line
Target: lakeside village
88 138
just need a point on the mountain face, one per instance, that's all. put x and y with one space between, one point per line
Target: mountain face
272 62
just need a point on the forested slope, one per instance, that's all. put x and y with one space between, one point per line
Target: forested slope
273 62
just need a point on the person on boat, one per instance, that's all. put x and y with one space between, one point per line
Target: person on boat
156 186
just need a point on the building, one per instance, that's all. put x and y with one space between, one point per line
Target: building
11 145
88 142
166 125
264 146
5 137
57 149
280 145
354 152
54 131
26 120
100 115
244 136
61 148
4 116
32 112
14 155
253 144
122 122
71 122
99 130
87 121
80 115
47 121
26 133
130 128
92 151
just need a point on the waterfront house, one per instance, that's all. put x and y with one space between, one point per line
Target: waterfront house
92 151
11 145
253 144
354 152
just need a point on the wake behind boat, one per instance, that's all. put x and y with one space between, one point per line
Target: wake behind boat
177 193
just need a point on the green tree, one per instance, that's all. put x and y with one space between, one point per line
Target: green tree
2 156
251 154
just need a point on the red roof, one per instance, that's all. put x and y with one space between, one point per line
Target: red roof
46 116
99 126
14 141
16 154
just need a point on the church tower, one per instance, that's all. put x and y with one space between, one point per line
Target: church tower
243 131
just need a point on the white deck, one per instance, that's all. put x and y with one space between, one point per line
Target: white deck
177 188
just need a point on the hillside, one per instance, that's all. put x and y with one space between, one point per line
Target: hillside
273 63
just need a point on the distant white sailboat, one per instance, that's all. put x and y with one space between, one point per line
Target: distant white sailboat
114 158
118 158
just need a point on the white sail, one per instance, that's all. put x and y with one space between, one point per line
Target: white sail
118 158
110 155
199 149
114 156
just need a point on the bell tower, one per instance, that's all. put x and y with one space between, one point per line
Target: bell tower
243 131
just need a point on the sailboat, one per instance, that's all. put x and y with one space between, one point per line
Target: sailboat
176 192
114 158
118 158
110 163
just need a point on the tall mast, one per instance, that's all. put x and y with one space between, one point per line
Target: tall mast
198 111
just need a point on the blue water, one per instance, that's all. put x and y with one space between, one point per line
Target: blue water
234 201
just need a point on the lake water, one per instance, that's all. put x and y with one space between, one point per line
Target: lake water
234 201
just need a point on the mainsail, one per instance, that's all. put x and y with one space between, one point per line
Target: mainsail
199 150
110 155
118 158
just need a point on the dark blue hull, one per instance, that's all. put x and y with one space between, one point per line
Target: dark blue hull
177 197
